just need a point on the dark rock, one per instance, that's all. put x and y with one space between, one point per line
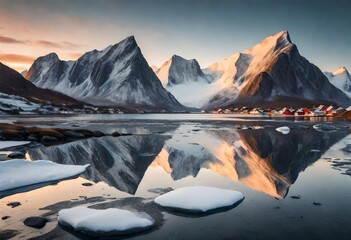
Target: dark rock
17 155
87 184
324 128
296 197
35 222
347 148
8 234
32 137
13 204
73 134
98 134
5 217
48 139
115 134
317 204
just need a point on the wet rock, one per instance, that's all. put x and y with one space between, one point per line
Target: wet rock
160 190
98 134
324 128
317 204
13 204
8 234
87 184
46 132
17 155
73 134
296 197
48 139
35 222
86 133
32 137
115 134
5 217
347 148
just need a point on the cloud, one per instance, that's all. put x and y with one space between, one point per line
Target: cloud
41 43
44 43
9 40
16 58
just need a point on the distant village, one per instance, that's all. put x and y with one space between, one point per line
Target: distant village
319 111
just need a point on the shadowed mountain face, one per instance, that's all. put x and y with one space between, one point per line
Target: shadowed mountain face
117 75
119 162
13 83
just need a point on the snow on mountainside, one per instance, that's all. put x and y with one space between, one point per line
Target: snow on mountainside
271 70
117 75
13 83
341 79
181 77
11 103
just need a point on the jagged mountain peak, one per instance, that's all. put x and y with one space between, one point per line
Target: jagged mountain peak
178 70
117 75
275 42
341 71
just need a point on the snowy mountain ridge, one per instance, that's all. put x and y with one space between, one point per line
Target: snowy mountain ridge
341 79
116 75
270 71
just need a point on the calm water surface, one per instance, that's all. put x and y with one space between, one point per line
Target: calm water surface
295 185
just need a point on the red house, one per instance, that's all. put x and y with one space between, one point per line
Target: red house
303 112
322 108
329 111
289 112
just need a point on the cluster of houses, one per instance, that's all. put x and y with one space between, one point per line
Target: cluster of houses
312 112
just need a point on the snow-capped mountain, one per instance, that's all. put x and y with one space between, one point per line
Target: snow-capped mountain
117 75
178 70
23 92
272 70
179 75
341 79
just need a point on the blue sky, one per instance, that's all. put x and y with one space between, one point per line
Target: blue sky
205 30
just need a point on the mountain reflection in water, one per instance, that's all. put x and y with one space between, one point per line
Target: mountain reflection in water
262 159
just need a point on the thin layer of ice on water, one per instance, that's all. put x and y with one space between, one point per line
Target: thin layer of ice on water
199 198
18 173
8 144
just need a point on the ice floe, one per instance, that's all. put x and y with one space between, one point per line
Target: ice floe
107 222
284 130
20 173
199 199
8 144
324 128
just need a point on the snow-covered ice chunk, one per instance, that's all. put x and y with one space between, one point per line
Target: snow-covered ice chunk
284 130
20 173
7 144
199 199
107 222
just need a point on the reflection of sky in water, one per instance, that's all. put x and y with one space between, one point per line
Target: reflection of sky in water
261 163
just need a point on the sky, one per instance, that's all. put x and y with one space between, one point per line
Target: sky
206 30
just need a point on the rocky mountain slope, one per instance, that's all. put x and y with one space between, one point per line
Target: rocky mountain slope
117 75
14 85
